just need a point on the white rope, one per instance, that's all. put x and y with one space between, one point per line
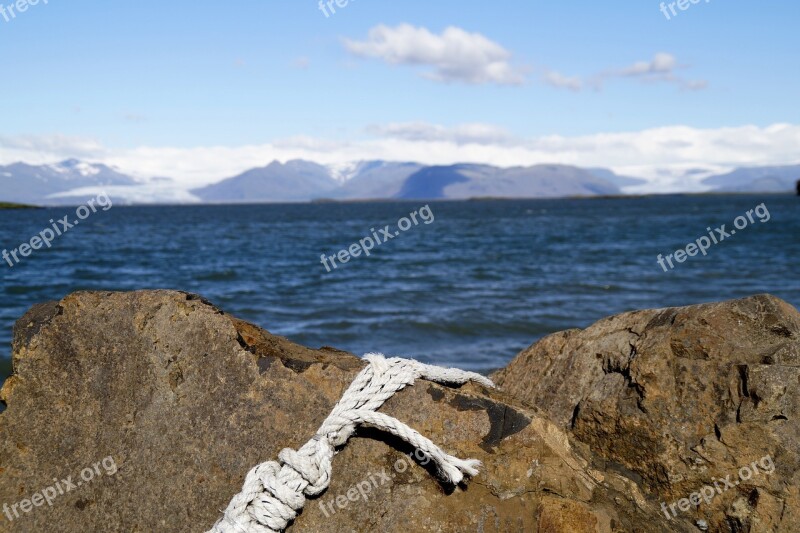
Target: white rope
274 492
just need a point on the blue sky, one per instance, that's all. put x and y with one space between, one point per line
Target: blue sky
105 79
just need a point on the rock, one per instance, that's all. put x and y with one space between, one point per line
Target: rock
157 404
678 399
143 412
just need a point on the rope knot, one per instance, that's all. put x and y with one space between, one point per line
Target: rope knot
273 493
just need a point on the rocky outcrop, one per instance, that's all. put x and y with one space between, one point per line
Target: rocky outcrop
679 398
143 412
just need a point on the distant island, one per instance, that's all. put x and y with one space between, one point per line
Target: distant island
9 205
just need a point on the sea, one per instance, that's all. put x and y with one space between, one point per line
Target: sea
469 284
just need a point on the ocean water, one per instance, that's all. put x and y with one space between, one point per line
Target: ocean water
482 281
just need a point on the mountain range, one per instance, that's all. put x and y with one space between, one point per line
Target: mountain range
71 182
44 184
302 180
757 179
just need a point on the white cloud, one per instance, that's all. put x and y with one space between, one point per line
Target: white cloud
662 63
39 149
562 82
661 155
663 68
461 134
455 56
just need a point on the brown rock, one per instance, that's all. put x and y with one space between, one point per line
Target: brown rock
679 399
159 403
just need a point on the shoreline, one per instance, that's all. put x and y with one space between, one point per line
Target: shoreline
324 201
12 205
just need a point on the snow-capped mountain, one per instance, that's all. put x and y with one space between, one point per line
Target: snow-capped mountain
344 172
297 181
47 184
303 181
757 179
72 182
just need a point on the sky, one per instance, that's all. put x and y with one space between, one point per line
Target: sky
198 91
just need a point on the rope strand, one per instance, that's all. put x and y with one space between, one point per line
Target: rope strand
275 492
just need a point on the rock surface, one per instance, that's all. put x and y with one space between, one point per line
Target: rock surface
678 398
159 403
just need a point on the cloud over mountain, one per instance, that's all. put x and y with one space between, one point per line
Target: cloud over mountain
661 155
461 134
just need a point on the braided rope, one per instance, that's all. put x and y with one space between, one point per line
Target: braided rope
274 492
